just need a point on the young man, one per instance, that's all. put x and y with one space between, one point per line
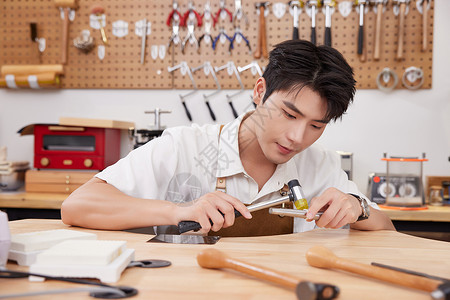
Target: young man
179 176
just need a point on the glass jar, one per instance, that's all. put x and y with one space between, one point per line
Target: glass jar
436 195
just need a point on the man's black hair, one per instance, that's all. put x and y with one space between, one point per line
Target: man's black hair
295 64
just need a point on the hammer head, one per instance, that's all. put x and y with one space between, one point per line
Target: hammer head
307 290
442 292
262 4
296 194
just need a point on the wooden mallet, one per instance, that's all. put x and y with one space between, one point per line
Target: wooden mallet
305 290
321 257
65 6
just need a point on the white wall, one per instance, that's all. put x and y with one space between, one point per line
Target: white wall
400 123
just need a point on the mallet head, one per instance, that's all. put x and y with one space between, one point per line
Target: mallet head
442 292
307 290
296 194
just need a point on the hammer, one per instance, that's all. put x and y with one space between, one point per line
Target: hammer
262 40
295 195
65 6
401 26
321 257
305 290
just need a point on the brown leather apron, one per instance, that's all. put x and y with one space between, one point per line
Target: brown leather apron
261 223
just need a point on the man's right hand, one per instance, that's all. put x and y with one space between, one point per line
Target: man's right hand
211 206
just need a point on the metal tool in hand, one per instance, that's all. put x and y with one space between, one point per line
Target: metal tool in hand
215 259
293 213
295 194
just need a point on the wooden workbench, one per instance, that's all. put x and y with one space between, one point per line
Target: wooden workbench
184 279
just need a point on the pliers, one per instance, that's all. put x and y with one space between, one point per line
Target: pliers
207 33
175 38
190 37
238 32
174 15
222 8
221 33
187 15
238 12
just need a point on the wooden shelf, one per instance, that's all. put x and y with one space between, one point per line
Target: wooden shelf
432 214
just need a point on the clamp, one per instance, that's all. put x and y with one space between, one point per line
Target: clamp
224 10
238 33
174 15
191 14
190 36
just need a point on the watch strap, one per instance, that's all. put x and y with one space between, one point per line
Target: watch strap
364 206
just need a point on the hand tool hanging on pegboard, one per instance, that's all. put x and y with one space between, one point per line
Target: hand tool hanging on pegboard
401 8
99 13
66 8
207 20
379 6
231 69
261 48
311 10
184 68
238 37
328 6
295 6
423 6
239 13
361 6
191 14
222 13
208 69
222 37
190 37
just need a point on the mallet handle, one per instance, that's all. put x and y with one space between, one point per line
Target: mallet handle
401 31
321 257
376 51
215 259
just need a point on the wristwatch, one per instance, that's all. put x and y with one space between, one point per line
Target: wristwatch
365 208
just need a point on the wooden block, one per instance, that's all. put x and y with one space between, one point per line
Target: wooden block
102 123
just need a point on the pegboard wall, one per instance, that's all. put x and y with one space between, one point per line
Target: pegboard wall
121 67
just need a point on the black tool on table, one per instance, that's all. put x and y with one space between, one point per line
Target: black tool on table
293 195
101 290
410 272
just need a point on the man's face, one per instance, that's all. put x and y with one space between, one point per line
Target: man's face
288 123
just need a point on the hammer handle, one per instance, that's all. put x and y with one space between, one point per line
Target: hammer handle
265 54
313 35
401 30
327 41
424 25
376 51
185 226
215 259
322 257
258 50
295 33
65 35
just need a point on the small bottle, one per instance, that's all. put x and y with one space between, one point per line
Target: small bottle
436 195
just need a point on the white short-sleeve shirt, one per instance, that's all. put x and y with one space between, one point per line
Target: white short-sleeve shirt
185 162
